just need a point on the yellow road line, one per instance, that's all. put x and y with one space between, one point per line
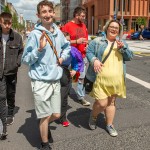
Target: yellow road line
142 53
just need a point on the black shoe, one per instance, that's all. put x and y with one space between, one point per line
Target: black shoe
45 147
50 138
10 120
3 135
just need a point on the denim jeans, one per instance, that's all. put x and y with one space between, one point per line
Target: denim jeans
80 89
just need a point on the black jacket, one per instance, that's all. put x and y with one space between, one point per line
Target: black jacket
13 54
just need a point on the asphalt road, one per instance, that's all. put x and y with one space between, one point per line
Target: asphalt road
132 118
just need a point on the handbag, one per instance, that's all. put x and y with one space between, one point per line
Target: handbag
88 85
65 79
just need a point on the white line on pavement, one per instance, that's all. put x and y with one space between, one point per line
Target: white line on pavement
138 55
143 83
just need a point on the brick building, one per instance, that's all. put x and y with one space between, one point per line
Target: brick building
67 8
99 11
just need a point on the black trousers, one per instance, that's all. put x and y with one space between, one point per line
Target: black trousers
3 101
7 94
64 101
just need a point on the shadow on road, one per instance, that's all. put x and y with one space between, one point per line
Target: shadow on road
73 95
30 129
80 118
16 110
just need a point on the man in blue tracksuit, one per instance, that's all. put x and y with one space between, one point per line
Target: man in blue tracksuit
44 70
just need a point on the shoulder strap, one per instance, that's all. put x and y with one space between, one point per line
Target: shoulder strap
52 46
97 48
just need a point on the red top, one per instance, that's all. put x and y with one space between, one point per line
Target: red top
77 31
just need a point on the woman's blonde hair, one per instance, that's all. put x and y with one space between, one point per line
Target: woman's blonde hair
109 22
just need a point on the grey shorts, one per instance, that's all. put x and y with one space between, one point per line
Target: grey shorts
47 97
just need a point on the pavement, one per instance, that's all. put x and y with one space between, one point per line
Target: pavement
139 46
131 121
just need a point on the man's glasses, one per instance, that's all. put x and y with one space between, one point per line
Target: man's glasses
114 28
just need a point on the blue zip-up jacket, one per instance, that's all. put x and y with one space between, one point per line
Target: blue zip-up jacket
96 49
43 65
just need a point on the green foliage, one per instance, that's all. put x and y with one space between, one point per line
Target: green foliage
15 25
6 9
15 21
141 21
93 37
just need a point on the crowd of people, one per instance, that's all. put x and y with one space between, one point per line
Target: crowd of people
51 52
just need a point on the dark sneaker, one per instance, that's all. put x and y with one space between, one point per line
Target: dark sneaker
45 147
92 122
111 130
3 134
84 102
10 120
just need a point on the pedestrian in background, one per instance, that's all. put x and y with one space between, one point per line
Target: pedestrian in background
75 64
44 71
141 29
110 76
79 39
11 49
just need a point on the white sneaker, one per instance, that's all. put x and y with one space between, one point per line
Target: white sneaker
111 130
84 102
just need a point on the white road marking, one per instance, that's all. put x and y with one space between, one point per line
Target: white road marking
138 55
143 83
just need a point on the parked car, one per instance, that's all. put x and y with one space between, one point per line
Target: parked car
145 34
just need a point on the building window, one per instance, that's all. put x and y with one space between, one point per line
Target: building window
128 5
118 5
149 6
123 5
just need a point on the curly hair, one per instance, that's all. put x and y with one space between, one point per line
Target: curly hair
43 3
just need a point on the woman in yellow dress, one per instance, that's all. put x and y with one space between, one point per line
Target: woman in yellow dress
110 76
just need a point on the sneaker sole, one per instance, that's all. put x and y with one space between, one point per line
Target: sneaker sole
86 104
92 128
10 123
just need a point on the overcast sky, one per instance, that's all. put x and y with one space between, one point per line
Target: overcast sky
27 8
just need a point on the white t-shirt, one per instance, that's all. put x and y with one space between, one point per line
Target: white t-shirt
4 40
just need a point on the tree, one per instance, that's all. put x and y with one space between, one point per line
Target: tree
141 21
6 9
15 21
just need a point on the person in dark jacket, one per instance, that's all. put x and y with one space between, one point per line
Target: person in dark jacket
11 49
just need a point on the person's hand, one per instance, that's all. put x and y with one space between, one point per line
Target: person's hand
43 42
97 66
119 44
60 60
82 40
72 73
